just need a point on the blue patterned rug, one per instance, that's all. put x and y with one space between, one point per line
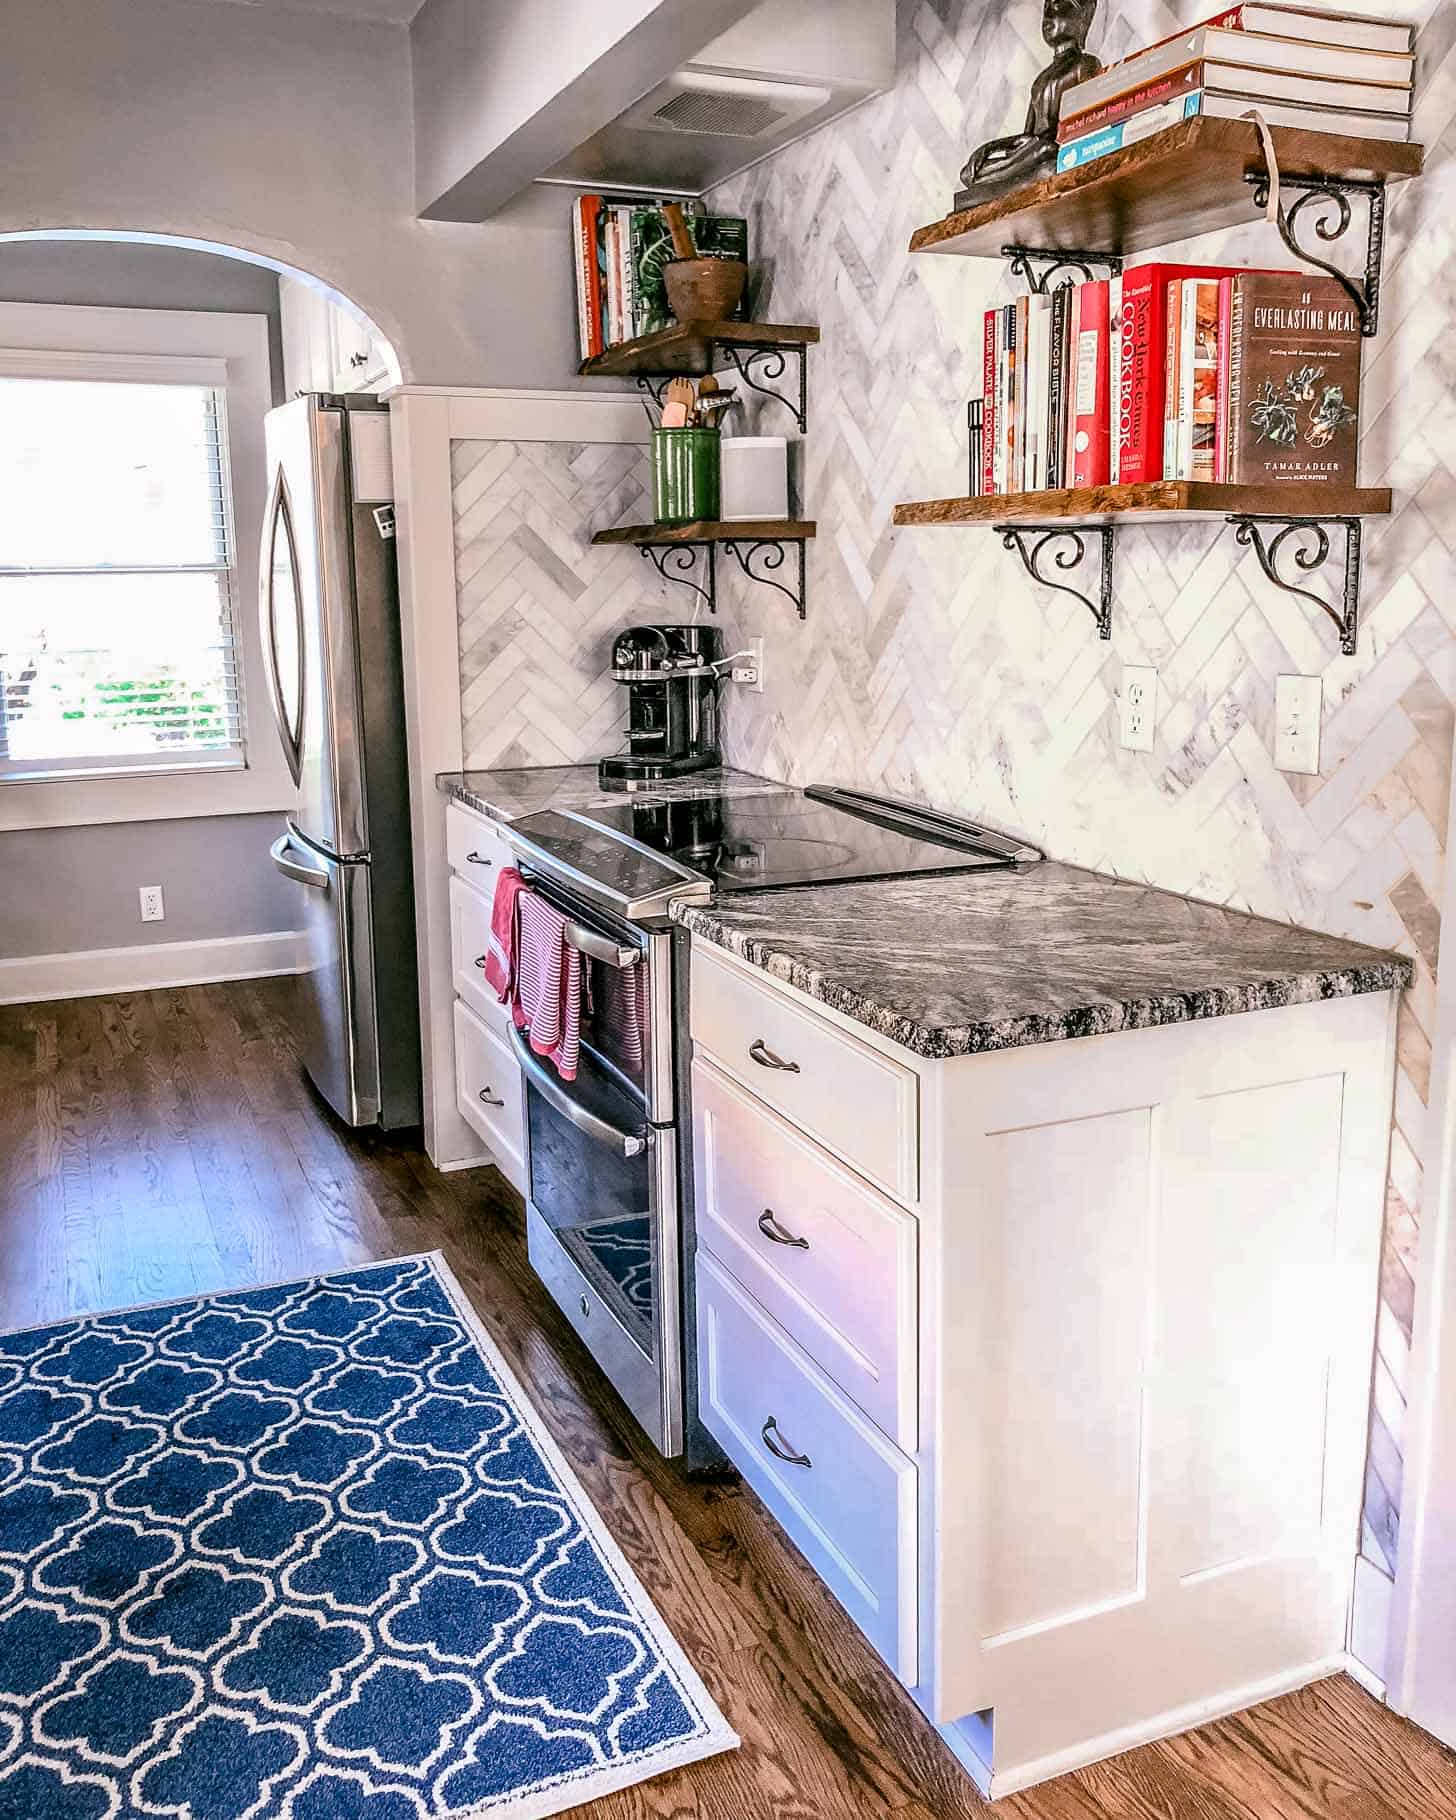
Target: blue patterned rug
307 1553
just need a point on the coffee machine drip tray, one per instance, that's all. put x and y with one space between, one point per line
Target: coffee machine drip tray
645 767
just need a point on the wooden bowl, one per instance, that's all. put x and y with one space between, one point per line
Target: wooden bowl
704 290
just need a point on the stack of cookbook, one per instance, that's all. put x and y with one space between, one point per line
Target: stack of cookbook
1325 72
1171 372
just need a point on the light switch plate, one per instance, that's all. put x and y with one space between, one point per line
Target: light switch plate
1137 708
1297 702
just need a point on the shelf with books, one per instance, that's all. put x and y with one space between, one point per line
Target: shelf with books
687 554
1200 176
693 349
1286 526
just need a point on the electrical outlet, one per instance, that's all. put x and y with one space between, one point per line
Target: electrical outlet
1137 708
153 910
748 670
1297 702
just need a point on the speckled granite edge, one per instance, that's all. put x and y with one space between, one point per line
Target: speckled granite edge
524 791
940 1043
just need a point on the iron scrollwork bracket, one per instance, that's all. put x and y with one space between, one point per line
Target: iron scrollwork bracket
1251 530
678 562
771 554
653 384
1032 542
743 356
1326 203
1072 262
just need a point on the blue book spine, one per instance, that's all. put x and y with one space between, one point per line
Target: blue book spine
1077 152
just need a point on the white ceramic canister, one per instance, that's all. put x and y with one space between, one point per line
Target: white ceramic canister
755 477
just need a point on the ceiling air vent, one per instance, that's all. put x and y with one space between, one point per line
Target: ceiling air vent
724 107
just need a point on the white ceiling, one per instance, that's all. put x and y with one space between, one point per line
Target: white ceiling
377 12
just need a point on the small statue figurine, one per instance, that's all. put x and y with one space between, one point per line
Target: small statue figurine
1002 164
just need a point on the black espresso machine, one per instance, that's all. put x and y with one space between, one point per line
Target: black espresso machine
671 676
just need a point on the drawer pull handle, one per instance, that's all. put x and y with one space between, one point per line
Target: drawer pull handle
480 960
489 1098
786 1453
769 1226
766 1058
474 859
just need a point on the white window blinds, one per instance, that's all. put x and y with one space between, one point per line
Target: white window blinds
118 649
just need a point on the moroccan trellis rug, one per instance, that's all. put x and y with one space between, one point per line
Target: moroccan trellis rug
307 1553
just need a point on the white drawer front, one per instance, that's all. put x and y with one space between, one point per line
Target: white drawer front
833 1261
488 1091
852 1508
469 938
858 1103
475 848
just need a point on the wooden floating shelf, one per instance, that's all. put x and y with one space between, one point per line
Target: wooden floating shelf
1189 179
691 348
712 530
1156 500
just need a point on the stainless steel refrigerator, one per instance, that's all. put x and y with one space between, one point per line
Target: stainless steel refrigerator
330 612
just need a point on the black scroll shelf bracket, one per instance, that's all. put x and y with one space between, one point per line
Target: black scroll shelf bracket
760 559
1304 544
1068 547
1039 266
1323 204
758 364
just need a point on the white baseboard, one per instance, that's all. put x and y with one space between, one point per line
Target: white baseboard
94 971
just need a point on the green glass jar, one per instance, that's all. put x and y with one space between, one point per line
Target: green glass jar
687 469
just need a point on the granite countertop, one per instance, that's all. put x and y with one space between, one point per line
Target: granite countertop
507 795
961 964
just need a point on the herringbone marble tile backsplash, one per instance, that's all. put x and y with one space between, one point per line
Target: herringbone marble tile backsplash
930 667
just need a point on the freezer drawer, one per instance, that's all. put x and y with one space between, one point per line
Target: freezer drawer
338 1026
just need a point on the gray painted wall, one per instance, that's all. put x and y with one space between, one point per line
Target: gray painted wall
63 890
125 275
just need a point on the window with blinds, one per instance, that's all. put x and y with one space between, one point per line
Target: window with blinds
118 646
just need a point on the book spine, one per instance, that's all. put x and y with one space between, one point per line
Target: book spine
1137 127
1187 379
1150 94
1003 394
1173 344
592 275
627 271
1038 332
988 393
1114 376
1018 397
975 422
1069 388
578 263
1056 386
1233 430
1203 361
1093 423
1221 417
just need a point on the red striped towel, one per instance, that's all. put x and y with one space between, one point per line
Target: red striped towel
546 1000
619 1015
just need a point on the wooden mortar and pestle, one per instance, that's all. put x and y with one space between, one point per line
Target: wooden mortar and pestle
699 290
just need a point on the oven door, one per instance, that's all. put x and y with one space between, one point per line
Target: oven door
603 1231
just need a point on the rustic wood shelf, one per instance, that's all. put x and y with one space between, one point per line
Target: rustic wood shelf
713 530
758 545
692 348
1055 532
1190 179
757 352
1152 500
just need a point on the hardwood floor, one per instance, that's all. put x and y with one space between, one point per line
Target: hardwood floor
165 1144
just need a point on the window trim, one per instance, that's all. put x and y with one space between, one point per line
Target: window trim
185 347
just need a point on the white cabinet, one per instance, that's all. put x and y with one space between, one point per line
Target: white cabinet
488 1089
325 349
1136 1338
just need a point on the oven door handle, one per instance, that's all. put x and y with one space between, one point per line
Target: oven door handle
599 947
554 1091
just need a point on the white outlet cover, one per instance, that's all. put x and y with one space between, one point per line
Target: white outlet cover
756 646
1137 708
1297 704
154 909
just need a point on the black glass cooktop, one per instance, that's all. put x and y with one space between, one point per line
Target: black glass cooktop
759 843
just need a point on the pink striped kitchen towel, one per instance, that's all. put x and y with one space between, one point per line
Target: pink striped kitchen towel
499 959
546 1001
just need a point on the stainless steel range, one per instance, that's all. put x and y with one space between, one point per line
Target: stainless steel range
610 1204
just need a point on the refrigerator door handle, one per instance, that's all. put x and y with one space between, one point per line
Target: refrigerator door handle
278 525
282 852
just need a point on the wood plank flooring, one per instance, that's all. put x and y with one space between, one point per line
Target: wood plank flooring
165 1144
